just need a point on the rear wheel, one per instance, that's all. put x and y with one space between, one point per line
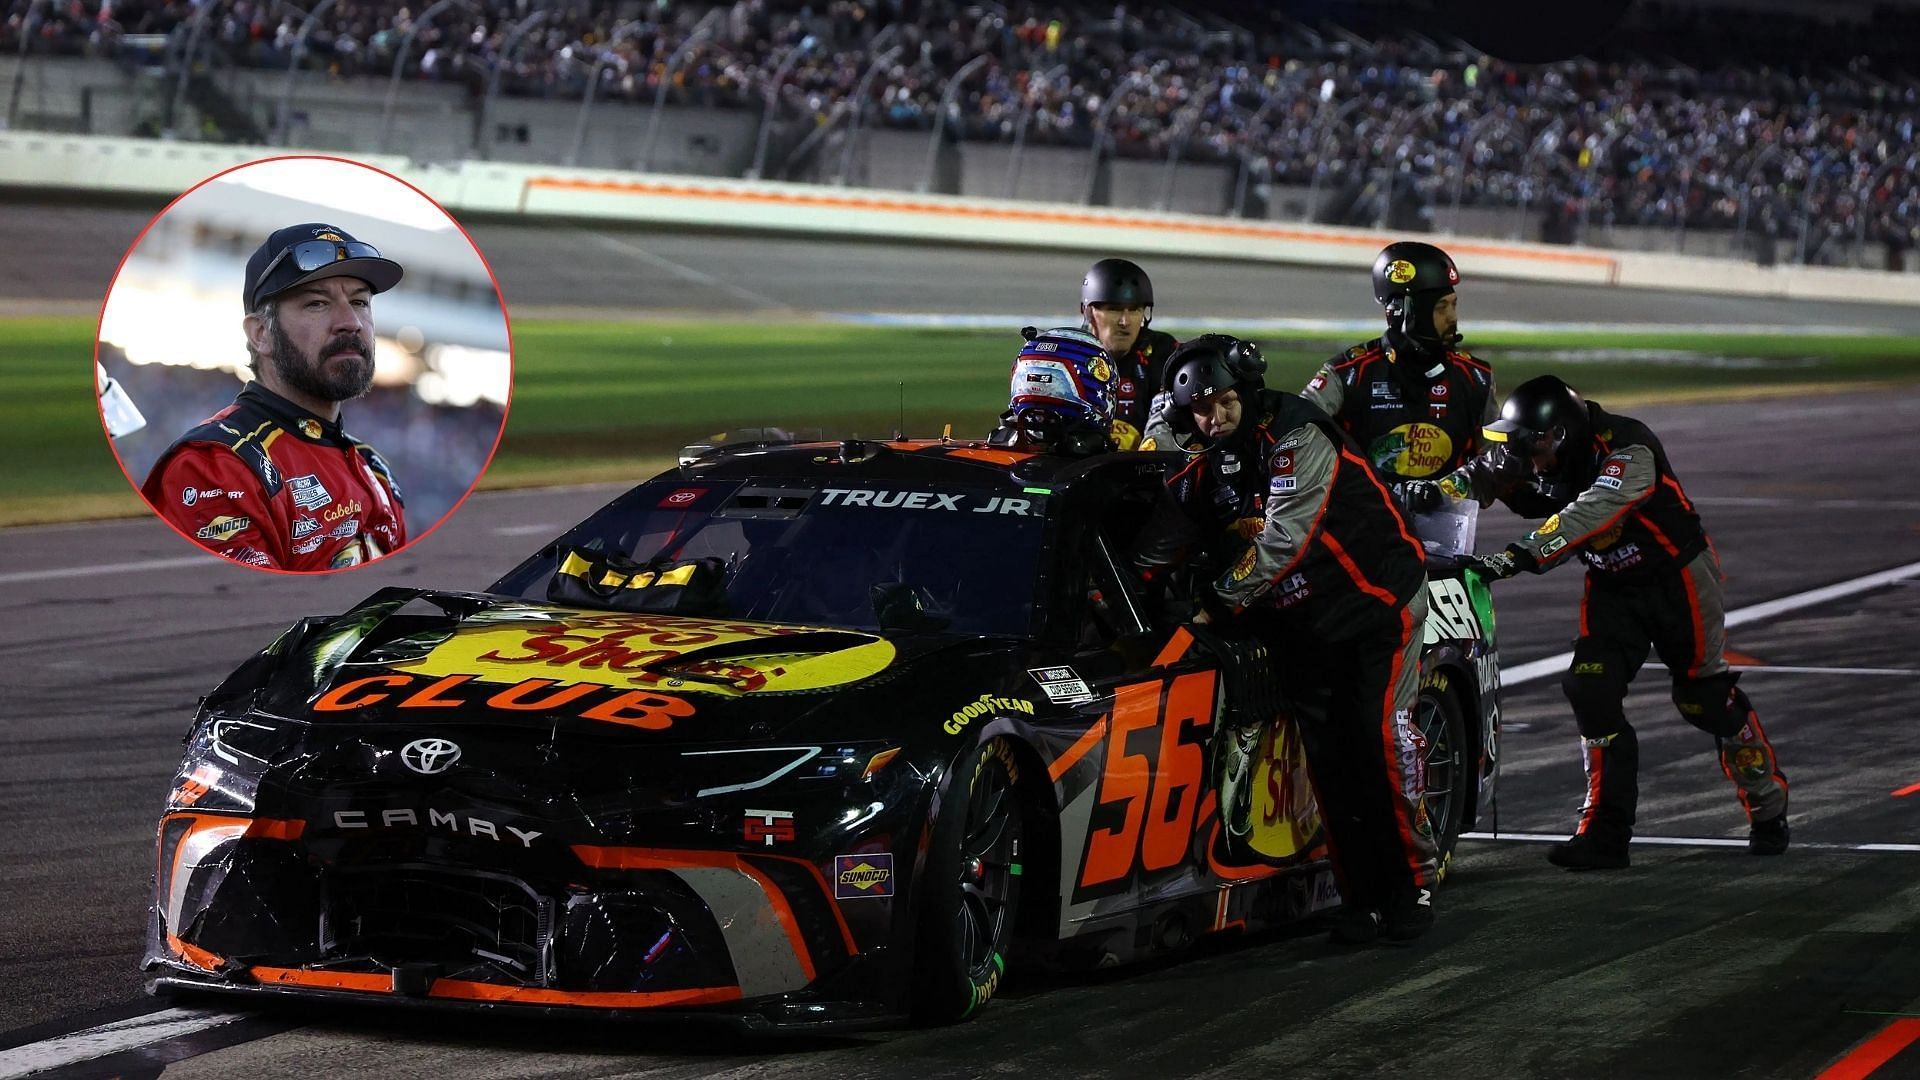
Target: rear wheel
972 888
1449 785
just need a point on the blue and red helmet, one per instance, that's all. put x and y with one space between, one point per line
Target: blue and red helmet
1062 379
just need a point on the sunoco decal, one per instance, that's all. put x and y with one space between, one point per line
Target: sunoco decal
858 876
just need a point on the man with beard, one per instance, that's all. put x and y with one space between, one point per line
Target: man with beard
1412 400
272 480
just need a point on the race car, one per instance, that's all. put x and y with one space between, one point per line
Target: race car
807 736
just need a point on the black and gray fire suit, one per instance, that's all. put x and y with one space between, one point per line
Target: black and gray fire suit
1653 582
1410 424
1329 573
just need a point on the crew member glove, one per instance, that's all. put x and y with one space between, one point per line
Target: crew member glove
1503 564
1423 496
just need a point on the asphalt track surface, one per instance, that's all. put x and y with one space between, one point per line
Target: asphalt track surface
600 271
1698 961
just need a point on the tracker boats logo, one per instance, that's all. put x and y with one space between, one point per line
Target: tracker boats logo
430 756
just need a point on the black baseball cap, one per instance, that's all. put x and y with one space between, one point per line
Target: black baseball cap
302 253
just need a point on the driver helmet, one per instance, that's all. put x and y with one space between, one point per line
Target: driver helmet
1061 393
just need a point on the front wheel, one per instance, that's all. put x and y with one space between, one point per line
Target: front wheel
1449 786
972 888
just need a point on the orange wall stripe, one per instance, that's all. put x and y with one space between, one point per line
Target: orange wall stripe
1875 1052
1078 750
1061 217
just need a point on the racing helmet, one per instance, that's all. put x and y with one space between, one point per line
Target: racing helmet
1117 281
1543 411
1409 278
1061 393
1207 365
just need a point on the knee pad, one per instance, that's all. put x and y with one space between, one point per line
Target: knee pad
1595 689
1709 703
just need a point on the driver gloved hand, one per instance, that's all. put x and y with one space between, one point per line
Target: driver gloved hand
1503 564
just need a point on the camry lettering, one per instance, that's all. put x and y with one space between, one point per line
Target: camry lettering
394 818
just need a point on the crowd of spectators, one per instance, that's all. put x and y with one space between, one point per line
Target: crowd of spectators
1683 117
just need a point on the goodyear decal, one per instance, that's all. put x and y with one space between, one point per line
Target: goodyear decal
985 705
1416 450
661 652
858 877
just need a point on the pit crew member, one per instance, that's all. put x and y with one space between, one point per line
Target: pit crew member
1608 493
1116 307
1061 397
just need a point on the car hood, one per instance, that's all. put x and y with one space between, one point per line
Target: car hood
416 657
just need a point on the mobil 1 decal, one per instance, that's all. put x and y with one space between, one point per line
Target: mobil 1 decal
1149 799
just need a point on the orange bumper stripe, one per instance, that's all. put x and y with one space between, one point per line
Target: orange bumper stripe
461 990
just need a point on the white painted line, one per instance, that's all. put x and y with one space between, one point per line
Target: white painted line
1690 841
1812 504
1769 669
681 270
209 559
98 1042
1535 670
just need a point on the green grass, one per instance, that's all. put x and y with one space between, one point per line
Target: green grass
606 401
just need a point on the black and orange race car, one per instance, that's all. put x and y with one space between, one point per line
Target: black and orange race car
809 735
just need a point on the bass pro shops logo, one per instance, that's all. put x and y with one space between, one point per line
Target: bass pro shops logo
857 876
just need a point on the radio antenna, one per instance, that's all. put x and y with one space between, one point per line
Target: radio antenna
900 432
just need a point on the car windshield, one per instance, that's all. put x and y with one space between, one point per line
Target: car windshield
867 555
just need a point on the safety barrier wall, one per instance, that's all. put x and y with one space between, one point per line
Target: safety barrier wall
130 166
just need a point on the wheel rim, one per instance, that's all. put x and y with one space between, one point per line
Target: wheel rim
989 863
1441 765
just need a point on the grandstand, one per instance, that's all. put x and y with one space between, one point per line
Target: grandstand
1779 134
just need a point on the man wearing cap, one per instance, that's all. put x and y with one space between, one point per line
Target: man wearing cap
272 480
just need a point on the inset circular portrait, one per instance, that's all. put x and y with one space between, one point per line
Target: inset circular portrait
303 364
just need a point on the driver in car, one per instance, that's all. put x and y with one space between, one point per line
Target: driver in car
1329 573
1061 396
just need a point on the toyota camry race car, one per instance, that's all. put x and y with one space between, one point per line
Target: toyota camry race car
809 735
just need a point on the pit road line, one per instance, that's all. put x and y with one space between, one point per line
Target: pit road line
101 1040
1535 670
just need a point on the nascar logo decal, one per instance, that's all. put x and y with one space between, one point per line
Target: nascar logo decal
859 876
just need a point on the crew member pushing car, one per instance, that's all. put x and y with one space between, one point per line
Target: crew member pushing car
273 480
1333 578
1608 493
1412 400
1116 307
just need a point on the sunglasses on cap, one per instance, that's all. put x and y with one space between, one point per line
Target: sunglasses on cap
311 255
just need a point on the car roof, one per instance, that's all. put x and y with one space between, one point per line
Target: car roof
922 460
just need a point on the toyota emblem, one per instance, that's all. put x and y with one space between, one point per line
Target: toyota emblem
429 756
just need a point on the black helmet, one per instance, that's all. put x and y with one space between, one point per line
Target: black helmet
1116 281
1542 408
1207 365
1410 267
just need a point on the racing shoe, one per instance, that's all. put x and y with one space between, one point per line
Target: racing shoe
1589 851
1768 837
1355 926
1408 916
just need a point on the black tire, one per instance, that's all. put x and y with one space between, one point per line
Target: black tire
1449 763
971 894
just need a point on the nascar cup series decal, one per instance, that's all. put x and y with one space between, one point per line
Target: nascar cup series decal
1061 685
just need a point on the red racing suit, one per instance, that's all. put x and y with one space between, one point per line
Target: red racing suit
266 483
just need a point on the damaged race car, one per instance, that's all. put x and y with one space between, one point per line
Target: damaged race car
806 736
